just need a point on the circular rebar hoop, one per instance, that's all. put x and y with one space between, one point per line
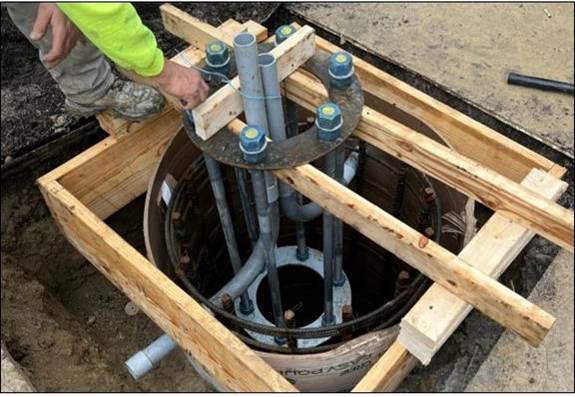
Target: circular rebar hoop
380 318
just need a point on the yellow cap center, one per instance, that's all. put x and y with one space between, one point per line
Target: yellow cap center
328 110
251 133
215 47
286 30
341 58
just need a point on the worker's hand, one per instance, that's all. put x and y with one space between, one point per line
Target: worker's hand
184 83
64 33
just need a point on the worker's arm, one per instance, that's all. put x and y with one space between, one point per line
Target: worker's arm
117 30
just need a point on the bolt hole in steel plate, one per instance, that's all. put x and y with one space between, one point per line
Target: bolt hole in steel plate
300 149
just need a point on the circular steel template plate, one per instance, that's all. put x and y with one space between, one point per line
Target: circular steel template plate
298 150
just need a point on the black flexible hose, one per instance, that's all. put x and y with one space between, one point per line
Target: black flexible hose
540 83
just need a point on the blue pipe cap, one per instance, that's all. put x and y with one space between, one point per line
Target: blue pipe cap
328 121
253 144
341 69
283 32
217 54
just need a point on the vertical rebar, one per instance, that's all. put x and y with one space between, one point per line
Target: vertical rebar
292 130
346 316
289 319
328 249
251 225
302 252
399 191
263 212
358 185
217 183
338 276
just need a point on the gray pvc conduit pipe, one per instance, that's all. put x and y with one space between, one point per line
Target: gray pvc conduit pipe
308 212
251 85
146 359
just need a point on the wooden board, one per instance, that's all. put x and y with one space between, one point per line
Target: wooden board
487 295
388 372
464 134
198 33
438 313
222 354
469 177
226 104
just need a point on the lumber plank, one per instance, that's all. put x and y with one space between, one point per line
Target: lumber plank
230 27
388 372
466 135
222 355
226 104
191 29
438 313
483 184
198 33
103 177
454 274
108 180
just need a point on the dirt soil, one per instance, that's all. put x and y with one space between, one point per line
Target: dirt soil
56 308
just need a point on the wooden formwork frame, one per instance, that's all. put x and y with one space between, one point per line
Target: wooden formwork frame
520 185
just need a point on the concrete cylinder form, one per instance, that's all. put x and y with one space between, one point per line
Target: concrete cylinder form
308 372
